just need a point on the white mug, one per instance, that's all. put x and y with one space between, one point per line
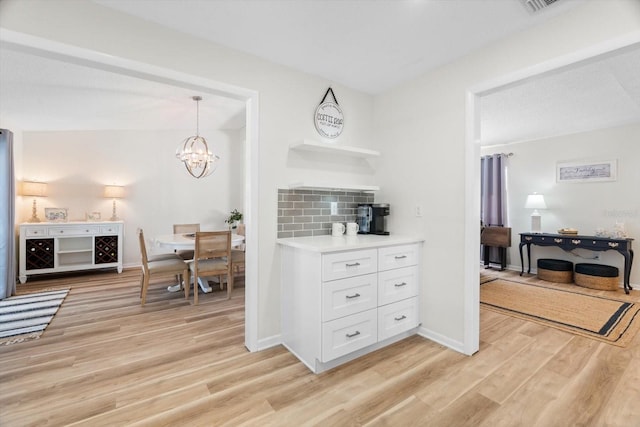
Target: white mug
352 228
337 229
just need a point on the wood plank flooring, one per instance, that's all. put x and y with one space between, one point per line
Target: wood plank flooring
106 361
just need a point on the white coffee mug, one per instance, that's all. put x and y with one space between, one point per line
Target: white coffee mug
352 228
337 229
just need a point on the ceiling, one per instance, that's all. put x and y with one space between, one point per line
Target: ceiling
401 39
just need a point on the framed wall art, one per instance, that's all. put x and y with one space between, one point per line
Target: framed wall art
56 214
587 171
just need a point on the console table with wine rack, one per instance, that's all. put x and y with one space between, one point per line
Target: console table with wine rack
55 247
570 242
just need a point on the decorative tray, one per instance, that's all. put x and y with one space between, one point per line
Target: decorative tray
568 231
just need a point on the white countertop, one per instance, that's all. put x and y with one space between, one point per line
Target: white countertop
328 243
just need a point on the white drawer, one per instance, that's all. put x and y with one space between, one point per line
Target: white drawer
348 334
74 231
109 229
349 296
396 318
398 284
397 256
348 264
36 232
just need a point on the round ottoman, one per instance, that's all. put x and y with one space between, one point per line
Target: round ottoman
555 270
597 276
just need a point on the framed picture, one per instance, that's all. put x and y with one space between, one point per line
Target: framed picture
93 216
587 171
56 214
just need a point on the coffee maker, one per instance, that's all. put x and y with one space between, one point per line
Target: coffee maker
380 211
371 218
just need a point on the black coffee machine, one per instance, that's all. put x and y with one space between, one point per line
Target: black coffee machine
372 218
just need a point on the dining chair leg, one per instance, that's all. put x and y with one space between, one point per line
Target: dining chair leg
185 283
230 284
195 287
145 285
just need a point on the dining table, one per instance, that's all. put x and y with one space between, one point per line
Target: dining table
187 241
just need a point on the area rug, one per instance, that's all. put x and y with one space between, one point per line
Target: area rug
603 318
25 317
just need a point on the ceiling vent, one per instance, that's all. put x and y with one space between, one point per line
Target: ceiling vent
537 5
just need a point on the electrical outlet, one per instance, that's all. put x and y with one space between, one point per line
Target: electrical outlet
418 210
334 208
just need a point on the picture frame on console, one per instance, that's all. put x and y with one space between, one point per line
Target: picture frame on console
587 171
56 214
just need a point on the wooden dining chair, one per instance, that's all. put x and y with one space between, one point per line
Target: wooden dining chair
185 254
237 253
211 258
174 265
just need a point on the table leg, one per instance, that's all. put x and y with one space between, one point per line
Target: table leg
521 259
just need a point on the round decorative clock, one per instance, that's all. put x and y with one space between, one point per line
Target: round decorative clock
329 119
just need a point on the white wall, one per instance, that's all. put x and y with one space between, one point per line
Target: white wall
422 138
584 206
287 100
159 191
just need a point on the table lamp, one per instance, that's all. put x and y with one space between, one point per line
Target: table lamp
34 189
114 192
535 201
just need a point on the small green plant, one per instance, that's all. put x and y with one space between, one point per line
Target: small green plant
234 218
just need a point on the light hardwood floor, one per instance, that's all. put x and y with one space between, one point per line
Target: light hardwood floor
106 361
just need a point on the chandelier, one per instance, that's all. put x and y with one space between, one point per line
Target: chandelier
194 151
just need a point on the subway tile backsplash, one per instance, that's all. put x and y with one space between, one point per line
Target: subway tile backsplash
308 212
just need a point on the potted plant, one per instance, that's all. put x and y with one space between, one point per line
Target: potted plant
234 218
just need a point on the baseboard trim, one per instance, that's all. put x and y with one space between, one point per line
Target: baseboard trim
272 341
441 339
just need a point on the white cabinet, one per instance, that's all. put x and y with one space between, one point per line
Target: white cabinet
338 305
60 247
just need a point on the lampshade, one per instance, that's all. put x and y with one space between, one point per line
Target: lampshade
113 192
35 189
535 201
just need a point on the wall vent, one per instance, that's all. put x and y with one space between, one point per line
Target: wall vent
536 5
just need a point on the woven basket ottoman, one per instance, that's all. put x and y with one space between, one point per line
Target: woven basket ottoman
597 276
555 270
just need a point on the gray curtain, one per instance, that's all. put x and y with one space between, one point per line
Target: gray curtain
493 194
7 216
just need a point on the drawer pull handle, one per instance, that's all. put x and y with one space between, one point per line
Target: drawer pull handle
355 264
398 285
355 334
557 240
613 245
400 318
528 238
400 256
356 295
576 242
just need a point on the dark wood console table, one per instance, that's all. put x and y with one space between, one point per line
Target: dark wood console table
571 242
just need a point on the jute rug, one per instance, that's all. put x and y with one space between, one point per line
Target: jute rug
599 317
25 317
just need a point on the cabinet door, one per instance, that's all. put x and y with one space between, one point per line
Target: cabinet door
349 264
398 284
397 256
396 318
348 334
39 254
106 249
349 296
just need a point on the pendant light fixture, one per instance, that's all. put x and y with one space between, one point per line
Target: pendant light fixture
194 151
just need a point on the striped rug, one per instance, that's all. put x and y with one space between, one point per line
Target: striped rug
25 317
